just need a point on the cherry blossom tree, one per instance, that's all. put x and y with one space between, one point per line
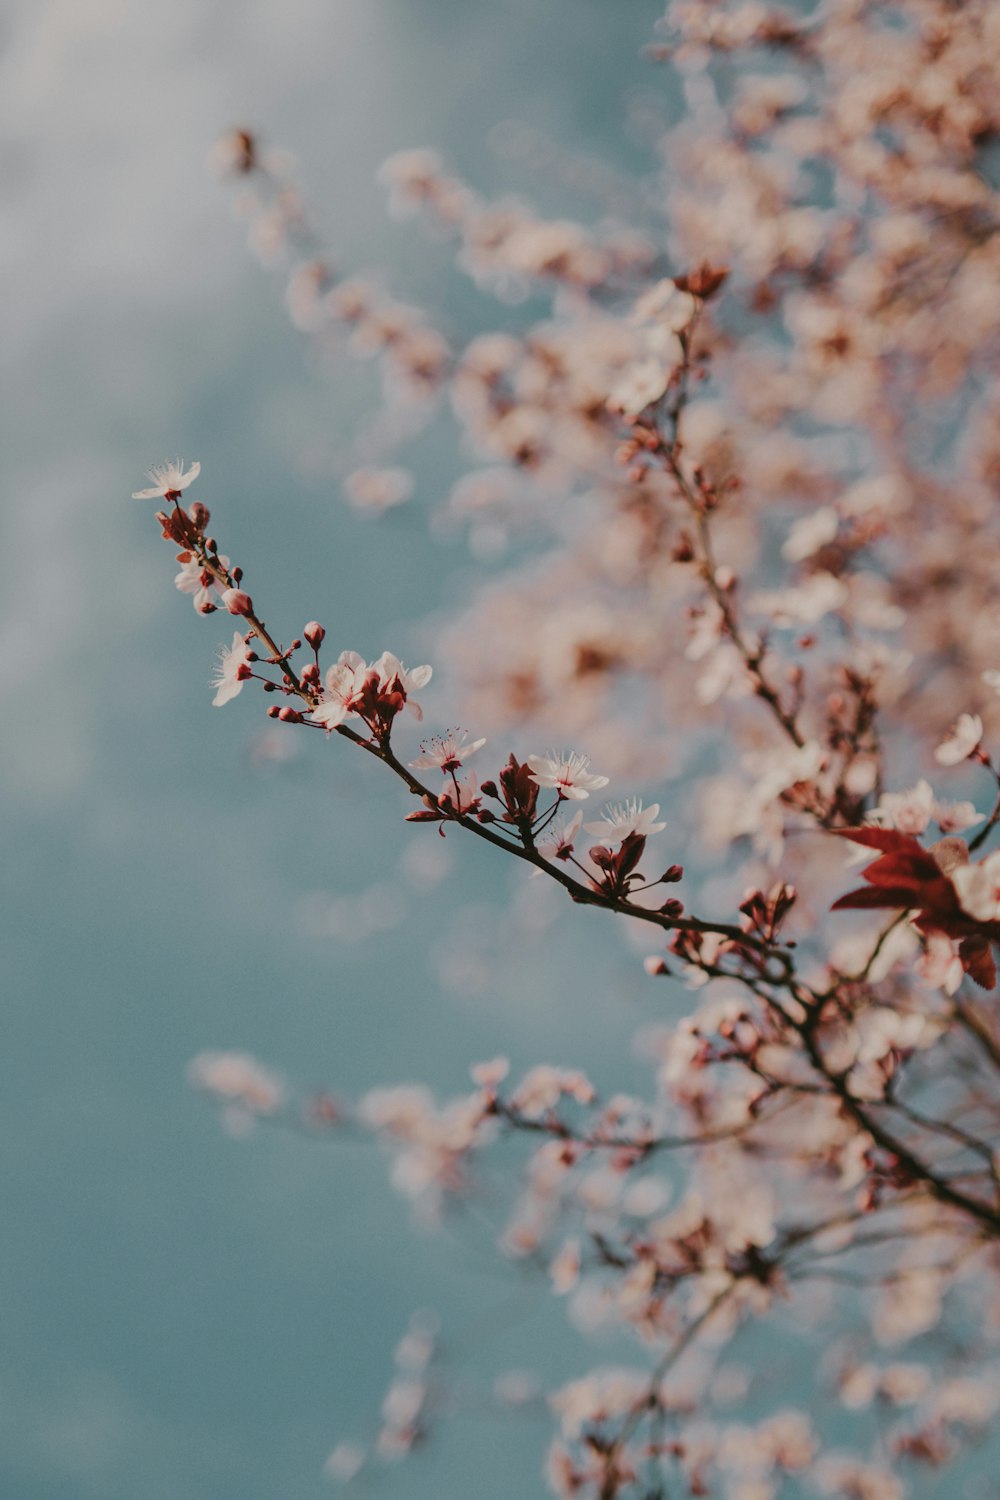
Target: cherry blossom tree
756 439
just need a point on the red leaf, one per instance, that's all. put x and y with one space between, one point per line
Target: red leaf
977 961
903 866
887 839
895 897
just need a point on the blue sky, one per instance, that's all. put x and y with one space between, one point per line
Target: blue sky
183 1315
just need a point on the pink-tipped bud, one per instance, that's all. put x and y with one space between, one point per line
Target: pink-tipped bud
199 515
237 602
289 715
314 634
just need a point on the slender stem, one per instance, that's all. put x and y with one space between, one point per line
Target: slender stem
651 1401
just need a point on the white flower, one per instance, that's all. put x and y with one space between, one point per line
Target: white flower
391 670
978 888
237 1078
490 1074
625 818
376 490
198 581
346 1460
447 752
343 680
347 678
461 796
954 817
810 533
232 671
568 774
940 965
559 844
565 1269
909 811
802 605
643 384
665 303
539 1091
783 769
962 739
168 480
992 679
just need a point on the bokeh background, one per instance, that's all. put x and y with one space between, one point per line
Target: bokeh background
183 1315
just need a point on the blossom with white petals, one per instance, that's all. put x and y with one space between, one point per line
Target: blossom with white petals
567 774
978 888
376 490
232 671
940 965
239 1079
343 681
810 533
955 817
489 1075
909 811
665 303
802 604
559 844
345 1462
643 384
168 480
391 671
203 586
446 752
621 819
962 739
351 678
460 797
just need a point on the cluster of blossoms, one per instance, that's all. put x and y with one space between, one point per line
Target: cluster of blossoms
759 468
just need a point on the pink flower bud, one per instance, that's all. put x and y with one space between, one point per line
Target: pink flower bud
314 634
237 602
